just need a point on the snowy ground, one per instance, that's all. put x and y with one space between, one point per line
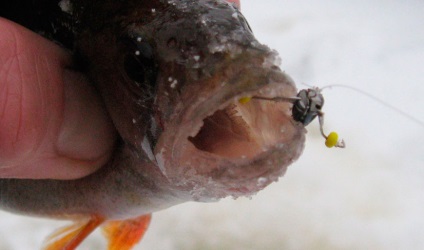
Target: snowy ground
367 196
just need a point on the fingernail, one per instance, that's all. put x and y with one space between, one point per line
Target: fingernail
87 132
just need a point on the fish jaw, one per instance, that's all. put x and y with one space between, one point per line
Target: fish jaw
215 146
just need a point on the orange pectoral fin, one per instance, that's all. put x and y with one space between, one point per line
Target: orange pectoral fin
68 238
123 235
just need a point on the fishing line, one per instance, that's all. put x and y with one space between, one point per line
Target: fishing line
386 104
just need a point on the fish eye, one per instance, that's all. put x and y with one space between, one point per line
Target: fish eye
139 63
134 68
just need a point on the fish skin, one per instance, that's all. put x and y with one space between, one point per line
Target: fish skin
209 49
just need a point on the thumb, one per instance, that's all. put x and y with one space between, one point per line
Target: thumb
52 123
236 2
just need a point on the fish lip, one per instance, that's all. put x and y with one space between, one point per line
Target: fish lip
206 176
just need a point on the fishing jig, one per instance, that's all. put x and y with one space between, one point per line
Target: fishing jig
307 106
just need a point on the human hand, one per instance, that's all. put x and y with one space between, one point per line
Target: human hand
52 123
237 2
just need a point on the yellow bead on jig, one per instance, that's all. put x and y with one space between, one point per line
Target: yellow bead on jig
244 100
332 140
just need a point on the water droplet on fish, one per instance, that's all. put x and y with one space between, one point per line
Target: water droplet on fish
174 83
66 6
262 181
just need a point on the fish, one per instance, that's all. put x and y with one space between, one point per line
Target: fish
171 75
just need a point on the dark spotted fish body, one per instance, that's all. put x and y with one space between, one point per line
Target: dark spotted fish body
170 74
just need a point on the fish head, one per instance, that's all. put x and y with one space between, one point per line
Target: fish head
173 92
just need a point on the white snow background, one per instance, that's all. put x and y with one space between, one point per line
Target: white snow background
367 196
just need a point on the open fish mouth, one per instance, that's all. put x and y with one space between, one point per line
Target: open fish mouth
229 144
245 128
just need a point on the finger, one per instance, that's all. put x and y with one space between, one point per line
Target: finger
51 122
236 2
